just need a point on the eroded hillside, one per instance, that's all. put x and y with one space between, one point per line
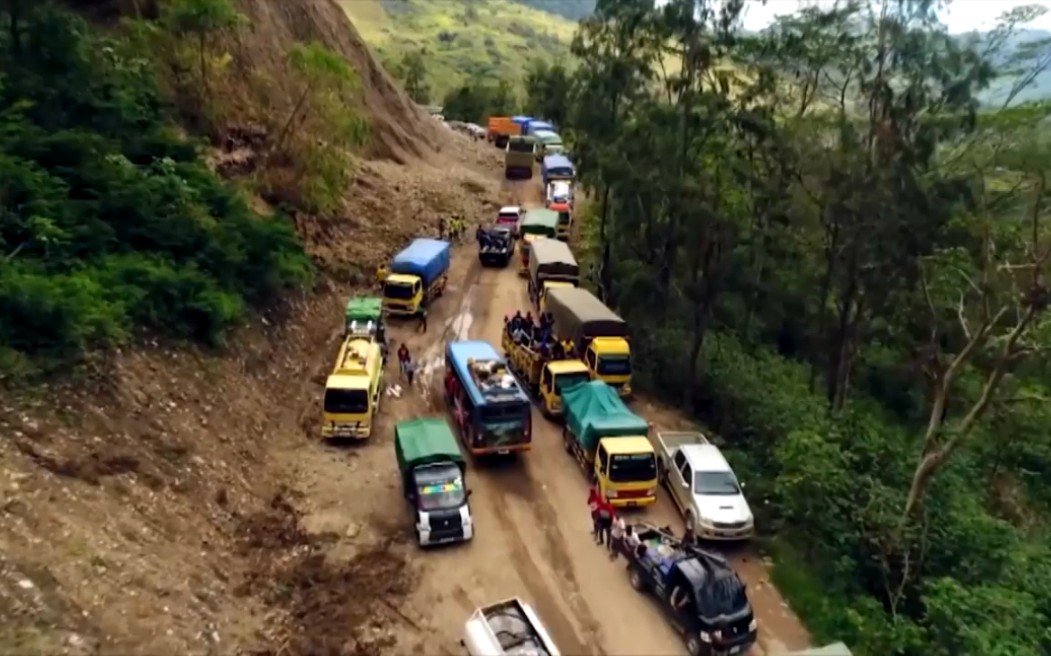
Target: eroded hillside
142 508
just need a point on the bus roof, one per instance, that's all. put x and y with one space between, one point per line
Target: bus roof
506 389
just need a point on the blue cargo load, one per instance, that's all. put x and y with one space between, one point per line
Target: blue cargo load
557 166
521 121
535 126
504 387
426 258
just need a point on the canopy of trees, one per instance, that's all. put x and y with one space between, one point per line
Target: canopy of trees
827 251
109 221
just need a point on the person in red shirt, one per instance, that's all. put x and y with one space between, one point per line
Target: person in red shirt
593 504
605 516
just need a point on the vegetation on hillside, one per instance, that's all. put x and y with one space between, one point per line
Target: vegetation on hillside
846 277
482 41
111 221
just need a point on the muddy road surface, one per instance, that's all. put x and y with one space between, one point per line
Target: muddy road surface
532 530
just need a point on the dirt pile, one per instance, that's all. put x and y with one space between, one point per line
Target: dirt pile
400 130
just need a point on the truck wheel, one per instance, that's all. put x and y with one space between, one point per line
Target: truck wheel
693 645
636 580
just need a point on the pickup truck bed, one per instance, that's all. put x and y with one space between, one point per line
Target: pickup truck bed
666 442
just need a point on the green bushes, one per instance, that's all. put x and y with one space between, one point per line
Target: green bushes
108 221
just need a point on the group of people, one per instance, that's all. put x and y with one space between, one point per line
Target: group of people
608 527
540 335
451 229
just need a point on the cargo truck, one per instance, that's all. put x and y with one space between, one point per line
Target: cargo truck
551 264
537 125
418 275
500 129
536 224
491 410
556 167
610 443
543 377
433 470
519 156
599 336
353 389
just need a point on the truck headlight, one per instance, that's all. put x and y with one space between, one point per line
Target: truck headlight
753 625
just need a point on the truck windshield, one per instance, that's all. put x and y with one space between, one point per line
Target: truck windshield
440 488
346 402
565 381
398 290
614 365
717 483
632 467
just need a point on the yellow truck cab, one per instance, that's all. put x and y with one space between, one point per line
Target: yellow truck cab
536 224
544 378
610 443
353 389
598 334
551 263
417 276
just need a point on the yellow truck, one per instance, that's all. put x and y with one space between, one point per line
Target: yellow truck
418 274
598 334
543 377
551 265
353 389
610 442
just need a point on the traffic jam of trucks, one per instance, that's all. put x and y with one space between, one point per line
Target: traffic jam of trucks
577 365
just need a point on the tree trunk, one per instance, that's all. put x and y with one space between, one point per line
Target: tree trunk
605 273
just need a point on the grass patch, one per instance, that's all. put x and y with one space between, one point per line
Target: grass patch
481 40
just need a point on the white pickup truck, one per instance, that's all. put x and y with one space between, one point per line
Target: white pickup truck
507 628
703 486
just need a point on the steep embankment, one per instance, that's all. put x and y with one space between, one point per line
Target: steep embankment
139 507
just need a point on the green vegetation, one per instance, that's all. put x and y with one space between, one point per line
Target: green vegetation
110 220
846 277
484 40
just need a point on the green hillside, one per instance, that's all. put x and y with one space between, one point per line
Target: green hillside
490 39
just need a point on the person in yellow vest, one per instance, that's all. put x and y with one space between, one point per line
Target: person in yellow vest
382 271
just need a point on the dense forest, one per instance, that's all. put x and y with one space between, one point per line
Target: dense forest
828 252
111 221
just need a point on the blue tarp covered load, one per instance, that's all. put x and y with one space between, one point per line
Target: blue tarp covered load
426 258
558 164
521 121
500 386
595 411
535 126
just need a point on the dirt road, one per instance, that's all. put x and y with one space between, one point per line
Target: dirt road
532 529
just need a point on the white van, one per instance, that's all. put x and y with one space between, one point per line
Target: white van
507 628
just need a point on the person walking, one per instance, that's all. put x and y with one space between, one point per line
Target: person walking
606 515
441 227
403 357
422 326
616 546
410 370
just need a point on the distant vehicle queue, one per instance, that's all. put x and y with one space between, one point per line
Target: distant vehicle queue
572 354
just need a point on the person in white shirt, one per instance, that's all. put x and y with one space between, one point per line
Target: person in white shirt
616 544
631 539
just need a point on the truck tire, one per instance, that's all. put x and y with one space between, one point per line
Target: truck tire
636 580
693 645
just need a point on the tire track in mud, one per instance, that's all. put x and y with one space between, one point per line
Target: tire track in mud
517 482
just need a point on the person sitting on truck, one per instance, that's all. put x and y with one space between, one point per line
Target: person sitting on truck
558 351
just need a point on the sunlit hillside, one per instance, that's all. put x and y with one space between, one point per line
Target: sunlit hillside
490 39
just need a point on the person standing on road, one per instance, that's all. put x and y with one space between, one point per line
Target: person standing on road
441 227
593 502
606 515
616 546
403 357
410 369
422 327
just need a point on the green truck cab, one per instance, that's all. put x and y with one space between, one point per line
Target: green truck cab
433 471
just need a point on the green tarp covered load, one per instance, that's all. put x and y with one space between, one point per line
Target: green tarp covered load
364 308
540 222
594 411
425 441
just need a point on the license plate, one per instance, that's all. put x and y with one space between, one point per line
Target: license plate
503 452
633 503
